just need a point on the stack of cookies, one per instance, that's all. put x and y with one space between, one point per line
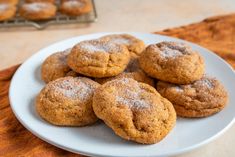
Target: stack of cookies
181 79
43 9
135 90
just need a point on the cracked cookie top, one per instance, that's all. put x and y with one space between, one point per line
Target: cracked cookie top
67 101
172 62
97 58
201 98
135 111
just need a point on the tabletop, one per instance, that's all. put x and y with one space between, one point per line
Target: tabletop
17 44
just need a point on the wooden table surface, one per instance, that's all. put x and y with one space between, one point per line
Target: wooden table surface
17 44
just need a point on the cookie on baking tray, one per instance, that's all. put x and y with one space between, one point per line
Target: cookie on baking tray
96 58
172 62
67 101
201 98
12 2
37 11
7 11
75 7
134 111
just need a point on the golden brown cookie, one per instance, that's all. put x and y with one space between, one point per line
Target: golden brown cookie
13 2
172 62
7 11
132 71
55 66
135 111
134 45
201 98
96 58
67 101
75 7
38 11
48 1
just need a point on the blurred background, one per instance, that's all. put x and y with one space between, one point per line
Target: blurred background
113 15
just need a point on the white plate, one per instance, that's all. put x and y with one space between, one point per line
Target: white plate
99 140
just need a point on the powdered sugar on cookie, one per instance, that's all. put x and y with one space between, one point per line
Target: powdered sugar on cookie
131 95
204 82
120 41
73 4
172 49
178 89
3 7
93 46
35 7
169 53
75 89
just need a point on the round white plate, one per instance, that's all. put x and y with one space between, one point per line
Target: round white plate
99 140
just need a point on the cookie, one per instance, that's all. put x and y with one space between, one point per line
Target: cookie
12 2
134 45
7 11
172 62
75 7
96 58
134 111
37 11
132 71
55 66
67 101
48 1
201 98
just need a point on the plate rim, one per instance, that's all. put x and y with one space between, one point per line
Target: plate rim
184 150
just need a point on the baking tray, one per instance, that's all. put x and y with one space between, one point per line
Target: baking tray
58 19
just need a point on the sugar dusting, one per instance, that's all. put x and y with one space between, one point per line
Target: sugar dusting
178 89
73 4
3 7
95 46
172 50
121 41
131 96
205 82
35 7
74 89
169 53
